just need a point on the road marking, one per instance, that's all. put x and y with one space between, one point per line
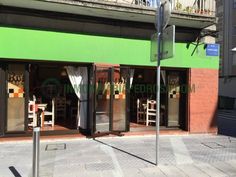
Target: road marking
109 151
181 153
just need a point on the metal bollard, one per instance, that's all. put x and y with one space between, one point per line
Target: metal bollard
36 149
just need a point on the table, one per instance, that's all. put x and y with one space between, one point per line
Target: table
42 106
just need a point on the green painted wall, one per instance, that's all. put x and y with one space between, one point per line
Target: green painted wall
55 46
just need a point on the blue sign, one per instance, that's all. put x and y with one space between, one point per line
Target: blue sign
212 50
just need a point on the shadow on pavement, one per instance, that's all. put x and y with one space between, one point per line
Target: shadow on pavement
125 152
226 121
14 171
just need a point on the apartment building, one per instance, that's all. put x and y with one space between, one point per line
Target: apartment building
227 37
84 66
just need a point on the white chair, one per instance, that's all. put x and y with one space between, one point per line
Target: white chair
151 112
140 112
32 116
34 98
51 114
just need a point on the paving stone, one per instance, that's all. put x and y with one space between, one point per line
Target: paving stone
171 171
152 172
133 172
62 175
99 166
225 168
5 172
210 170
65 171
181 153
189 170
108 173
125 157
232 163
90 174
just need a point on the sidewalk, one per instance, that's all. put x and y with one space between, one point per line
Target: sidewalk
188 155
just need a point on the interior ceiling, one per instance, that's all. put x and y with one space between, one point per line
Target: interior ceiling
122 12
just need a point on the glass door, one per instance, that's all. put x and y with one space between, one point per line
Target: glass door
16 102
120 103
2 99
111 88
102 100
173 99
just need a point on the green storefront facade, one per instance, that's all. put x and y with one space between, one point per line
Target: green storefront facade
28 47
66 47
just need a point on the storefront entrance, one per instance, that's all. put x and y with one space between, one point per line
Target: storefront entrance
52 96
173 99
114 97
112 86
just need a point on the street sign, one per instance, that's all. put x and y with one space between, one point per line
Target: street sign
212 50
166 13
167 44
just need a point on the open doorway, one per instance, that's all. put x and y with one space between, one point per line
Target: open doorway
56 95
111 99
173 99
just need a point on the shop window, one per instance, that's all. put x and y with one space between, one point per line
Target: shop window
15 98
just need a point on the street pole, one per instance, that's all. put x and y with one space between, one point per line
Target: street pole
158 72
36 149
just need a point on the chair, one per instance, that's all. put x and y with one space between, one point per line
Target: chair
60 108
51 114
32 116
140 112
150 112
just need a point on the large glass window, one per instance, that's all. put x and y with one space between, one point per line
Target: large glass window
1 101
103 100
15 98
120 78
173 99
111 92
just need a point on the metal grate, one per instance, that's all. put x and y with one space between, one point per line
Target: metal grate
55 147
213 145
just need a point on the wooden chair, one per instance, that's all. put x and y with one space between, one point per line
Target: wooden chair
32 116
60 108
151 112
50 114
140 112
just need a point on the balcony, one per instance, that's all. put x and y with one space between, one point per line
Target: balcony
186 13
198 7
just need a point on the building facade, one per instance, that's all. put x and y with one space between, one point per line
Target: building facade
226 14
86 65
